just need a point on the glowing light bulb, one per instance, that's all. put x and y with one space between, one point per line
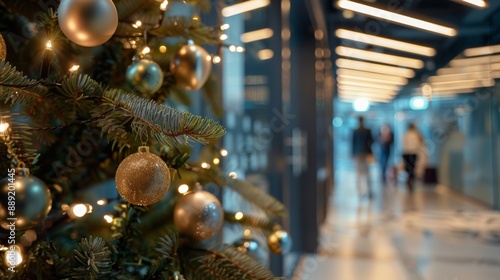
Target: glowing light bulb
240 49
238 216
163 49
233 175
108 218
48 45
223 152
102 202
216 161
216 59
137 24
163 6
183 188
79 210
223 37
232 48
146 50
205 165
3 127
13 257
74 68
225 26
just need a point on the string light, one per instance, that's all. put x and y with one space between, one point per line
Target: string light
232 48
108 218
163 49
225 26
74 68
102 202
216 161
137 24
216 59
146 50
233 175
183 189
79 210
205 165
223 37
14 257
163 6
3 127
238 216
240 49
223 152
48 45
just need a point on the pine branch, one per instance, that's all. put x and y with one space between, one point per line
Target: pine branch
126 8
17 141
169 126
187 28
93 259
17 88
227 263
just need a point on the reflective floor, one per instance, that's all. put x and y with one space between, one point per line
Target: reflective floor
432 234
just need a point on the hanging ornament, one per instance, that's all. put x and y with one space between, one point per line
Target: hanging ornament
25 200
3 49
191 66
144 75
88 23
199 215
279 242
142 178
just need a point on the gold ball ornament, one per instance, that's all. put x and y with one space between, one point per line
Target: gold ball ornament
199 215
279 242
142 178
191 66
145 76
25 201
88 23
3 49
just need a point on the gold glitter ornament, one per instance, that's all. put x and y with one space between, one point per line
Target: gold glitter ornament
199 215
25 201
142 178
3 49
279 242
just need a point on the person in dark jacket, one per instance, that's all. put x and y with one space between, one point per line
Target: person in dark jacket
385 139
362 141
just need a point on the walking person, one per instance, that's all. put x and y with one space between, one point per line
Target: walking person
385 139
412 143
362 149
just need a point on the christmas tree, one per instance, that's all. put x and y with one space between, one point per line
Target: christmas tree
102 175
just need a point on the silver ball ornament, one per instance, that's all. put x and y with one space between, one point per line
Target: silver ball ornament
279 242
25 198
145 76
191 66
88 23
199 215
142 178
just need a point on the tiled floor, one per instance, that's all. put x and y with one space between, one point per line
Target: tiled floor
432 234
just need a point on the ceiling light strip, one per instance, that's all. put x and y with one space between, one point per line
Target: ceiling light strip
379 57
475 61
469 69
486 50
357 93
375 68
256 35
371 80
477 3
385 42
244 7
460 77
350 72
397 18
366 89
377 85
371 99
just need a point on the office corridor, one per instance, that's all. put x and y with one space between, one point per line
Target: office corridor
433 234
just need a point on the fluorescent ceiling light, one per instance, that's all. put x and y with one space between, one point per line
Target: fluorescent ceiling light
367 89
475 60
418 103
375 76
385 42
451 92
469 69
348 98
397 18
377 85
256 35
460 77
487 50
462 85
374 67
365 94
244 7
477 3
371 80
379 57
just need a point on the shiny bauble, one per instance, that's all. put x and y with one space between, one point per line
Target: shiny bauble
88 23
25 200
145 76
279 242
142 178
3 49
191 66
198 215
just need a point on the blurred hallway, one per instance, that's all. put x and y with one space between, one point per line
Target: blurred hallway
433 234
